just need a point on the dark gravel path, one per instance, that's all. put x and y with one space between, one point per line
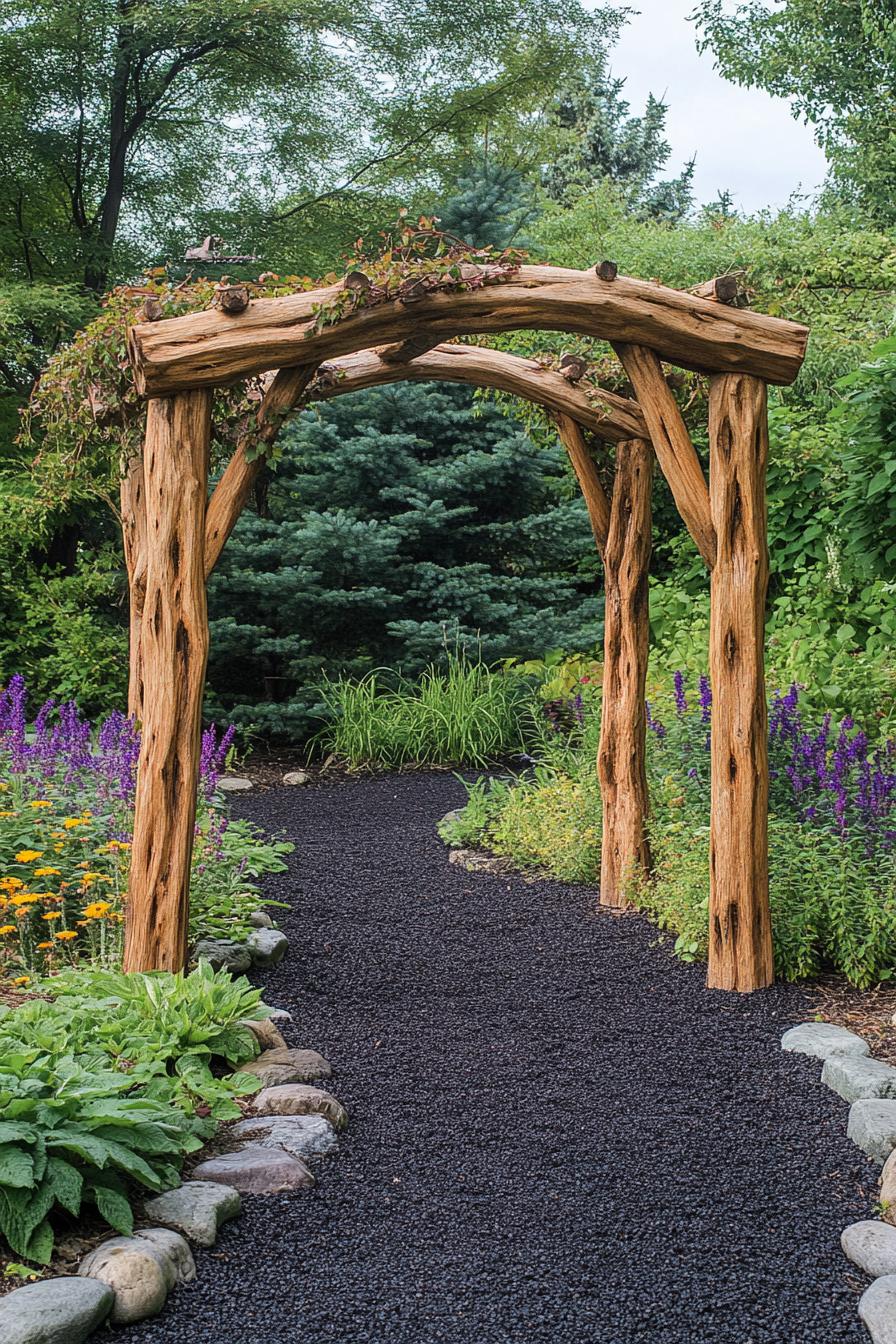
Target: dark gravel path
557 1134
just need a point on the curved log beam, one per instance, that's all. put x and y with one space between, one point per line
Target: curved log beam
613 417
672 444
590 484
209 348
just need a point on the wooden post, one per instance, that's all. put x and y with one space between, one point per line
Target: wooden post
621 766
174 637
133 534
740 942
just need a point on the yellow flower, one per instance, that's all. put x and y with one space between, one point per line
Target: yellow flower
22 980
96 909
7 928
28 855
11 883
46 872
24 898
43 946
54 914
70 822
40 802
64 934
88 878
7 814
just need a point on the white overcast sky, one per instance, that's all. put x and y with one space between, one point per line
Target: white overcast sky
744 140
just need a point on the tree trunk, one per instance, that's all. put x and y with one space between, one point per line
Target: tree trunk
174 639
133 535
740 943
621 767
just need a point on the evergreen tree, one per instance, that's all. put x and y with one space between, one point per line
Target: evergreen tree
600 139
491 204
399 520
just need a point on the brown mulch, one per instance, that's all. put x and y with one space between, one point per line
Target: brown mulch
869 1012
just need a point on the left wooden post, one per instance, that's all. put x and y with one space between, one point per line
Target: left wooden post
174 651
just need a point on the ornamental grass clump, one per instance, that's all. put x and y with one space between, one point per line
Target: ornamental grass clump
462 714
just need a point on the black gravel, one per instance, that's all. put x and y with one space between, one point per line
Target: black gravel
557 1134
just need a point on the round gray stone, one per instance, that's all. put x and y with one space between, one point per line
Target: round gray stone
224 953
267 946
255 1170
877 1308
138 1274
175 1250
300 1135
871 1245
297 777
234 784
260 919
857 1077
872 1127
821 1040
55 1311
196 1208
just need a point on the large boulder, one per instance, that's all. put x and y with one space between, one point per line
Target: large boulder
55 1311
298 1099
255 1170
821 1040
300 1135
137 1272
285 1065
196 1208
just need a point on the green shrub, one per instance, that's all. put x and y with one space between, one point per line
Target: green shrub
464 715
112 1082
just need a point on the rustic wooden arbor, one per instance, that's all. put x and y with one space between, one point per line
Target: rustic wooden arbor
176 535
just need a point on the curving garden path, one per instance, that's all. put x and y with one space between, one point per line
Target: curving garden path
557 1135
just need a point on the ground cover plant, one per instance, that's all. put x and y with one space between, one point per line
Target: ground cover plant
832 830
107 1087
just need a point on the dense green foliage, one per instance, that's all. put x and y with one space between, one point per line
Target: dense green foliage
108 1087
397 520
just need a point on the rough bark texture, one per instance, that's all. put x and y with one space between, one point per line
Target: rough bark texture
208 348
621 767
133 535
573 441
740 944
672 443
239 476
175 648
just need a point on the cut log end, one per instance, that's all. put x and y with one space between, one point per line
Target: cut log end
233 298
573 368
721 289
606 270
152 309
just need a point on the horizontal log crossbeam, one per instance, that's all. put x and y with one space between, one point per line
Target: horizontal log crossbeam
211 348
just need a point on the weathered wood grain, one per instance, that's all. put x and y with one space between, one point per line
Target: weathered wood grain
740 942
209 348
174 643
590 484
672 444
621 754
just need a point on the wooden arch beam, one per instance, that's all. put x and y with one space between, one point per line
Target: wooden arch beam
605 413
212 347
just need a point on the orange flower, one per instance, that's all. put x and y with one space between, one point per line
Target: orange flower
7 928
46 872
64 934
11 883
43 946
54 914
22 980
96 909
28 855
